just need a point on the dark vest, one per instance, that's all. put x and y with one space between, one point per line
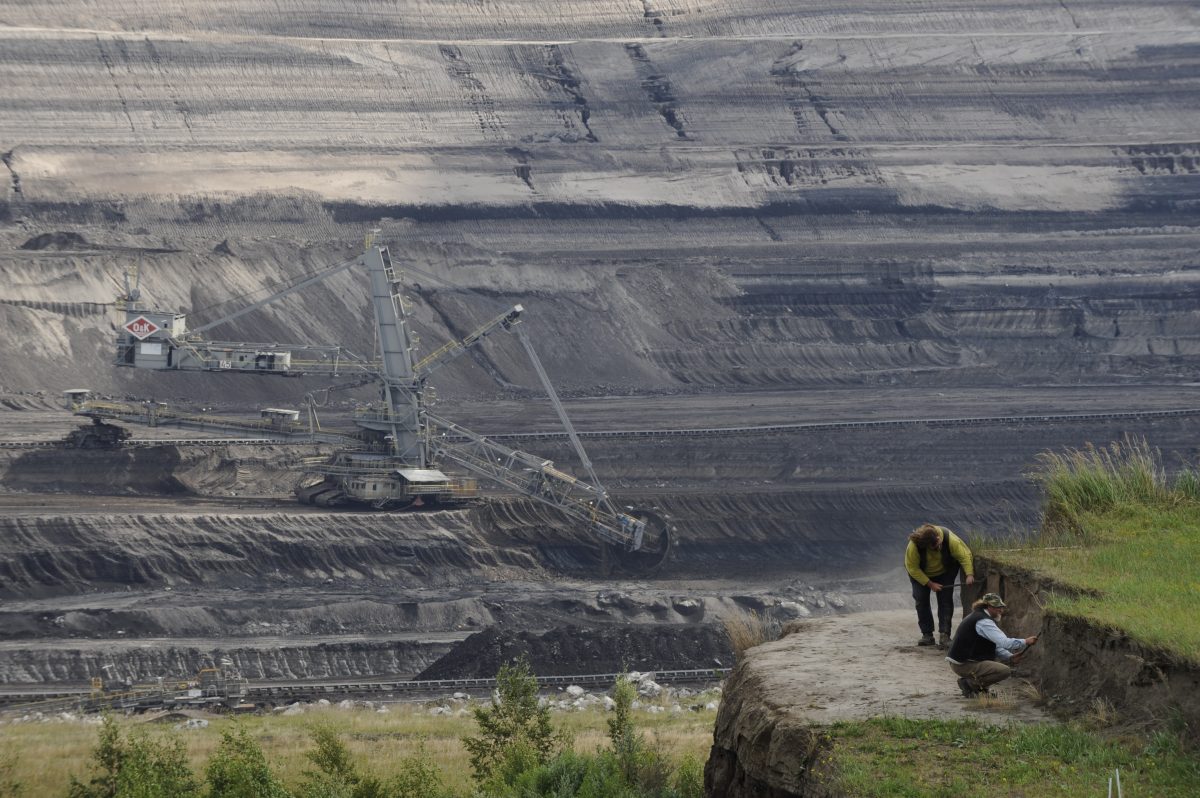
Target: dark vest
949 563
969 645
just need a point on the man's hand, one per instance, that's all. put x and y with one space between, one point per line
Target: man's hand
1016 658
970 580
1029 641
936 587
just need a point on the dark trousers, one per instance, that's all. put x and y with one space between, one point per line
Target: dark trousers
945 603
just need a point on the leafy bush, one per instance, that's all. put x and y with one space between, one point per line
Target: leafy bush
689 778
519 755
137 767
152 769
238 769
106 762
626 741
336 775
515 730
419 777
642 767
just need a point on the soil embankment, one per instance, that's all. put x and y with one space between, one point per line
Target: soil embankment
1080 666
574 650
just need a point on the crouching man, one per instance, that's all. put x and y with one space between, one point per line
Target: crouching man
980 653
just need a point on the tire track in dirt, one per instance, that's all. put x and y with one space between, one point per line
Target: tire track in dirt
658 88
800 94
107 60
474 92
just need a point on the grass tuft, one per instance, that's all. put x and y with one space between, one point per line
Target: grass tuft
1099 479
747 630
1187 484
1134 540
1101 715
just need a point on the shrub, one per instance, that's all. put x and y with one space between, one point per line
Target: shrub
419 777
336 775
238 769
689 778
626 741
642 768
331 756
516 729
106 758
136 767
153 769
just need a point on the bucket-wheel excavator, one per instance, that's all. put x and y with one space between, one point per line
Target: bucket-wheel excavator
394 456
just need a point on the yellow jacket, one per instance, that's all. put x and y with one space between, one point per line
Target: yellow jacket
933 558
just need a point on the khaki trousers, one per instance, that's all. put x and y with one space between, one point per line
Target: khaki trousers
982 674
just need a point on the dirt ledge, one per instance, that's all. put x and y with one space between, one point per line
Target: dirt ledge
1079 665
768 741
762 751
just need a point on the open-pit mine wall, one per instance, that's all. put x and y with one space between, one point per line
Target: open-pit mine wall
905 207
124 561
713 196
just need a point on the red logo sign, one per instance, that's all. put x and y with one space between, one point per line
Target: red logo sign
141 328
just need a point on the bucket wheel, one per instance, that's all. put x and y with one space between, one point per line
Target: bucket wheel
655 549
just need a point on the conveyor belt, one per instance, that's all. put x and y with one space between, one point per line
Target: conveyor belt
766 429
62 699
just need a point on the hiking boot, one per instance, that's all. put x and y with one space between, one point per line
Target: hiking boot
968 689
943 640
926 640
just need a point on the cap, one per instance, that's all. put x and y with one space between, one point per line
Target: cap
992 600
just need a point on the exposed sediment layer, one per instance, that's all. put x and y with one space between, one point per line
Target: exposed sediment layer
52 554
574 650
758 511
275 659
739 196
1079 662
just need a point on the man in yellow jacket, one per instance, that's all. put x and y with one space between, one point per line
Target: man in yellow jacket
933 559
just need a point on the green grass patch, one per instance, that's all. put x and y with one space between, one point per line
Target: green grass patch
898 757
1141 571
1118 529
